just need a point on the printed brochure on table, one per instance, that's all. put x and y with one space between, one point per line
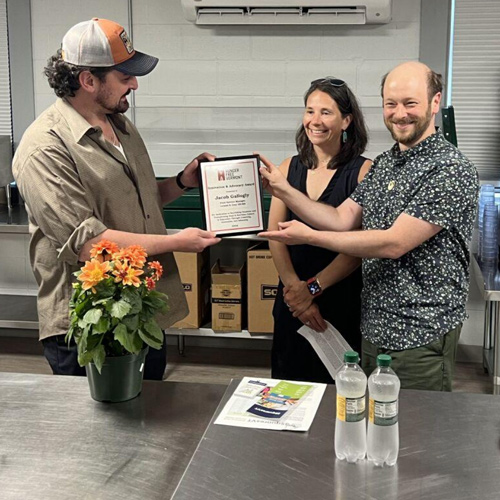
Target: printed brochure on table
272 404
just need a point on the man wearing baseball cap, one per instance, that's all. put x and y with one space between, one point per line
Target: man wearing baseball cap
85 175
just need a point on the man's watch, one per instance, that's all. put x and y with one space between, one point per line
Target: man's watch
314 286
179 182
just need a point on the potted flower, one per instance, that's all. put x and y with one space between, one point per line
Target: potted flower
112 318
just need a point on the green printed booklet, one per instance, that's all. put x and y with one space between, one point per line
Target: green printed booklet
279 400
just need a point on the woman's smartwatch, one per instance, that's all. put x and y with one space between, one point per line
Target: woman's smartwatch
314 286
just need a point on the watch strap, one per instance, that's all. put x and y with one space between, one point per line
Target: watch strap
179 182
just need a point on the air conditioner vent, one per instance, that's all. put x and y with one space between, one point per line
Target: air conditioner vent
315 12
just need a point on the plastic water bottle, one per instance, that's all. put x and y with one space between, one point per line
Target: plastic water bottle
350 425
383 427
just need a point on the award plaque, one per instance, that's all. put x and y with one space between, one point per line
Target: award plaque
231 195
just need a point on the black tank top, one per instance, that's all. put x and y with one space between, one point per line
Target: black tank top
309 260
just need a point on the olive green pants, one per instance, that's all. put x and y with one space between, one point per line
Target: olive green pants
429 367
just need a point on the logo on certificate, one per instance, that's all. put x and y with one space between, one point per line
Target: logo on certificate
221 175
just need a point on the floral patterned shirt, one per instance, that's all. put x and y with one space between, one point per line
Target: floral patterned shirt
412 301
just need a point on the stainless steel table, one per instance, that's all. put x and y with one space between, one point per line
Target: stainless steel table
449 450
488 282
57 443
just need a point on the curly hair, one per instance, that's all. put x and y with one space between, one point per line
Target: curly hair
357 135
63 77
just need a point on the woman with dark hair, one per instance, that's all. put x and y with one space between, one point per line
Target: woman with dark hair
317 284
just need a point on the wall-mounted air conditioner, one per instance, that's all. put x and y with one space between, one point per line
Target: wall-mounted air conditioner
287 11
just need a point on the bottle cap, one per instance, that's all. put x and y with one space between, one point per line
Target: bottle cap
384 360
351 357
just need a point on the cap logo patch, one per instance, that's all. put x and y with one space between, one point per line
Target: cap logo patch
126 41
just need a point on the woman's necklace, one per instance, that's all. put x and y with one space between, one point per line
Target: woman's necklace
321 165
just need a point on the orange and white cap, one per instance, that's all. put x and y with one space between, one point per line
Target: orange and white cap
100 43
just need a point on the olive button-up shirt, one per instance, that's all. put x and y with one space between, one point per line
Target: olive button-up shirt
76 185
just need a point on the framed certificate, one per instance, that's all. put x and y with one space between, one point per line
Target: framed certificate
231 195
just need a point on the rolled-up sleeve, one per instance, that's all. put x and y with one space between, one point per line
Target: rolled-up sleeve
58 202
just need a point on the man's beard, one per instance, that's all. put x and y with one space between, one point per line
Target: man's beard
103 100
409 137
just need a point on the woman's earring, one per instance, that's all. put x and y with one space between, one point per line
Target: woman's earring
344 136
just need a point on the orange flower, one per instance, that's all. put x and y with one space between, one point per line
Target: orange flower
157 269
138 254
102 251
135 255
93 272
126 274
150 283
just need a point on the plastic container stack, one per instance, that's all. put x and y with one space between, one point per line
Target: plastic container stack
486 197
489 237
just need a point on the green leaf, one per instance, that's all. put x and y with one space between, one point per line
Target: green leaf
106 288
80 307
81 339
100 301
157 300
94 340
102 326
120 309
152 334
70 333
84 358
133 297
125 338
92 316
98 357
131 322
137 342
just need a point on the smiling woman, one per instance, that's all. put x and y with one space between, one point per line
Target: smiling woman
317 284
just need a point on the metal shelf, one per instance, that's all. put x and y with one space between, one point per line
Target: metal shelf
208 332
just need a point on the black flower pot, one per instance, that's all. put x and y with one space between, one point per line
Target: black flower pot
120 378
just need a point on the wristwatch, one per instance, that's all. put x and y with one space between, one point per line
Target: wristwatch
179 182
314 286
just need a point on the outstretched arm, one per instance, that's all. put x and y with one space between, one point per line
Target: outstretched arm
343 218
191 239
404 235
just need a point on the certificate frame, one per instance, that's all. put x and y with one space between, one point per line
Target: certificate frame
231 195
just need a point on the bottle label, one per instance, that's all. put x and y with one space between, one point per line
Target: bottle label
383 412
351 409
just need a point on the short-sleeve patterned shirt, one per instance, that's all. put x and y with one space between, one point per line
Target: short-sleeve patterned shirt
412 301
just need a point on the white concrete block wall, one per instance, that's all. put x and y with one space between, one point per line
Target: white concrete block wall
239 67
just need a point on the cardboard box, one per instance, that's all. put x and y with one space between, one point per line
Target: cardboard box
227 298
194 270
262 289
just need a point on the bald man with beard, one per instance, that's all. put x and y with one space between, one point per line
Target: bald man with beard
416 209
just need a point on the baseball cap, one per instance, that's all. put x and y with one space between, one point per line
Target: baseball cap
100 43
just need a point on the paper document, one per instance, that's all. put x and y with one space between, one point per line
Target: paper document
278 404
329 345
